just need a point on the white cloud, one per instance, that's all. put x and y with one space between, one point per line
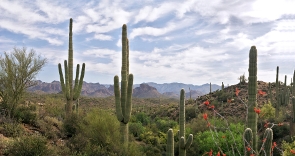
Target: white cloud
152 13
171 26
102 37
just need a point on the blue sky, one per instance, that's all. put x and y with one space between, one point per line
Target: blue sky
192 41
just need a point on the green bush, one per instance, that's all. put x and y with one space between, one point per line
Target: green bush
71 125
267 111
28 146
223 138
143 118
12 129
26 114
136 128
163 124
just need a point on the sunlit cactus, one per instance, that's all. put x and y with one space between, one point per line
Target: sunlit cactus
252 90
267 142
123 97
71 92
170 143
183 143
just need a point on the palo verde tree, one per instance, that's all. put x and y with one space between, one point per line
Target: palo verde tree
71 94
17 73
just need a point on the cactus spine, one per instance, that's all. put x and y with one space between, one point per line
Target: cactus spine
170 143
71 94
252 89
183 144
123 101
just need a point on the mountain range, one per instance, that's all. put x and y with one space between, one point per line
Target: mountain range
144 90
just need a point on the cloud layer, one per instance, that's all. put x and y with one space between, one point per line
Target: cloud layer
192 42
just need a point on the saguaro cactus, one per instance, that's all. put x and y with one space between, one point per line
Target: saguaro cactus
267 142
170 143
292 122
248 142
123 101
71 93
252 89
293 85
183 144
277 104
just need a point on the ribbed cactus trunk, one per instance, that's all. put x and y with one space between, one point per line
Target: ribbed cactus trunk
183 144
252 90
277 105
170 143
123 100
222 86
268 136
210 88
293 85
71 93
248 142
292 122
270 93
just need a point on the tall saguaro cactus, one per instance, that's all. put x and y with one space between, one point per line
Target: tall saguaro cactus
71 93
252 89
183 144
123 100
277 105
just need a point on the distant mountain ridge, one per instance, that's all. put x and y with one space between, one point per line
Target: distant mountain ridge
144 90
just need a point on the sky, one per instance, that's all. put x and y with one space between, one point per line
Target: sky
191 42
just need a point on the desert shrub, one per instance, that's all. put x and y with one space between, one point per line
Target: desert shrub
54 107
26 114
223 96
98 134
71 125
223 138
267 111
163 124
143 118
288 148
50 127
190 113
33 145
136 128
11 129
